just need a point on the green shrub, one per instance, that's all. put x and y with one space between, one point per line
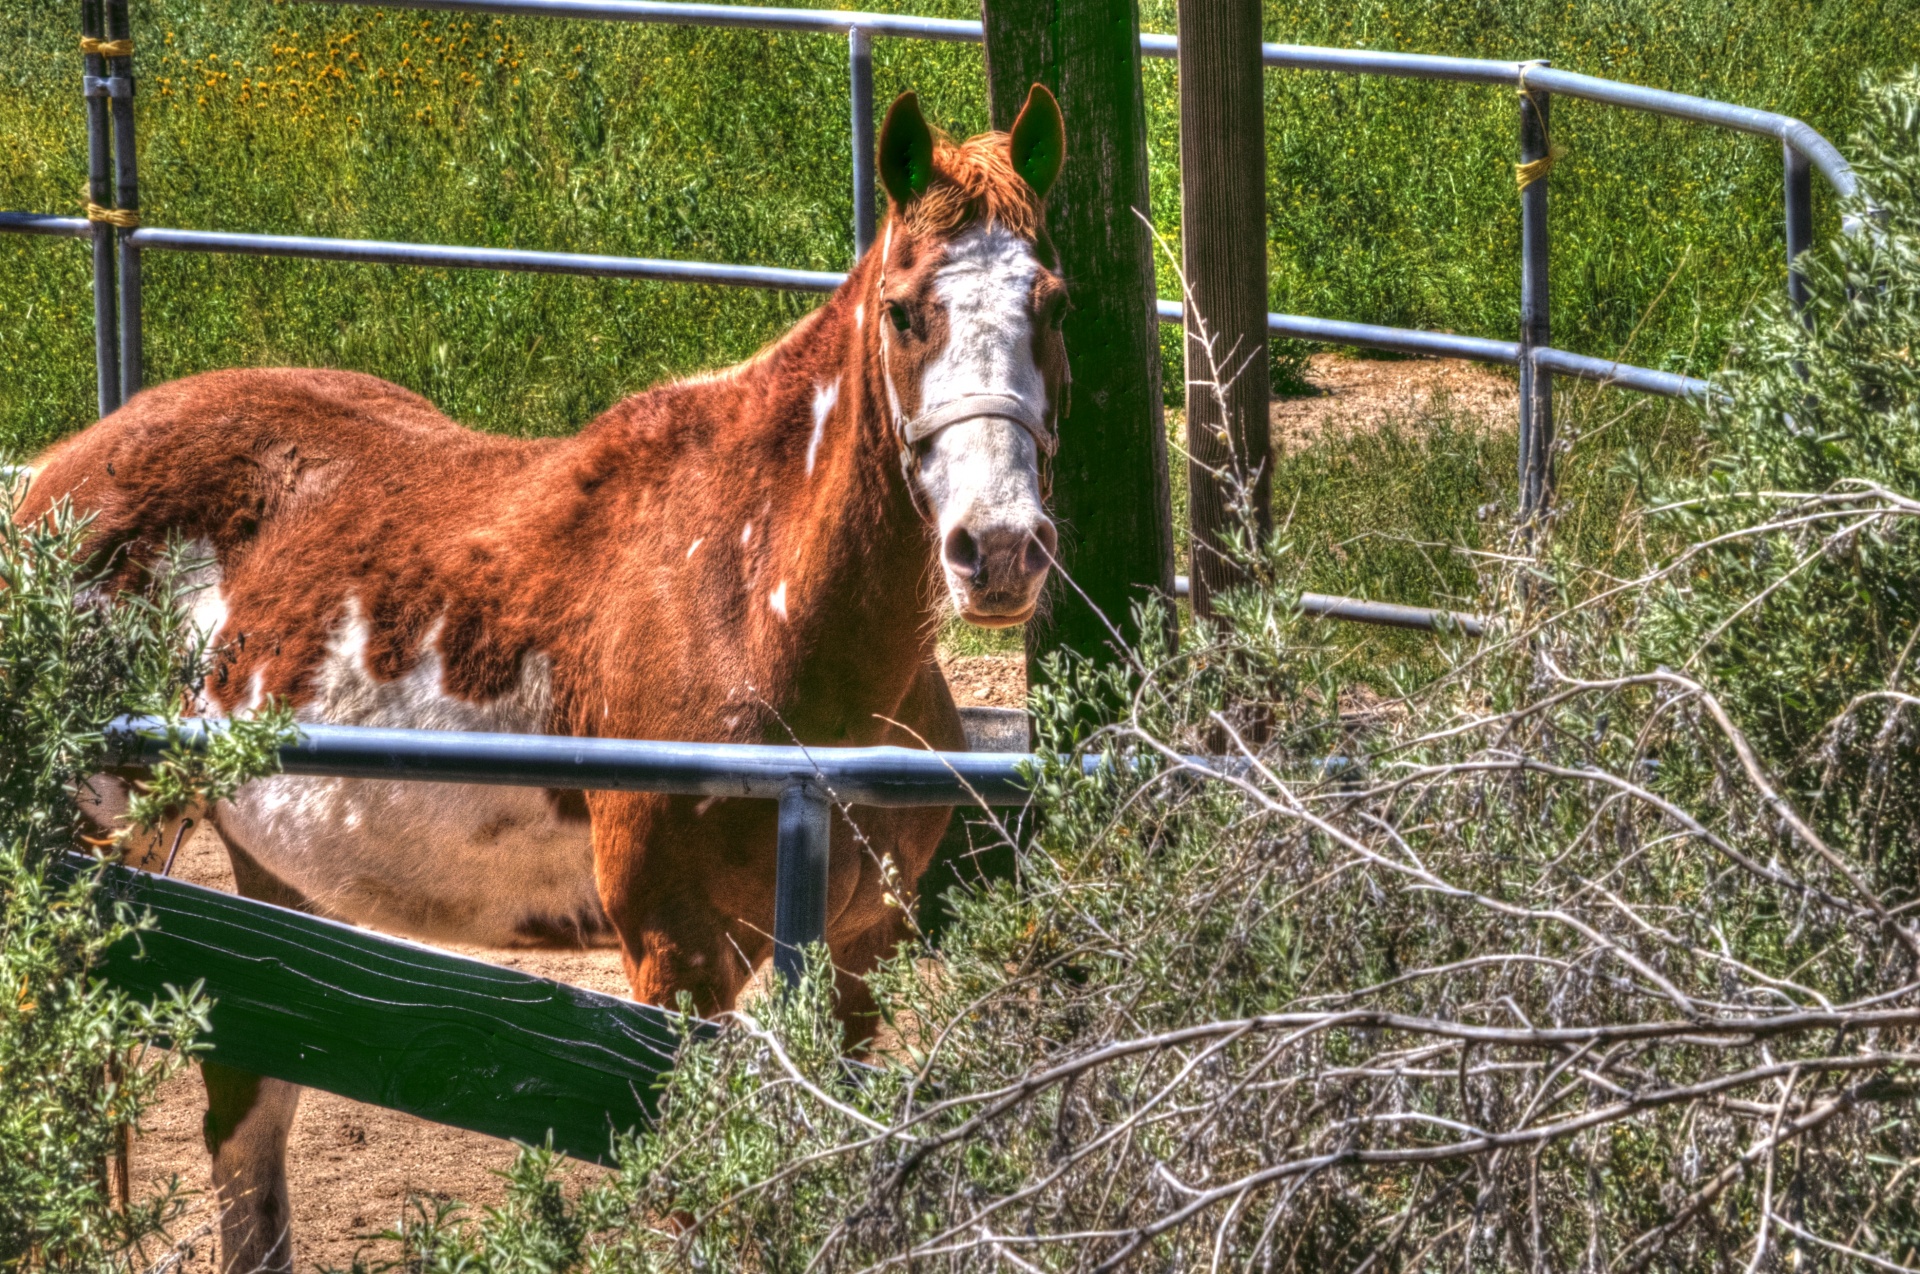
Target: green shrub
1801 605
78 1060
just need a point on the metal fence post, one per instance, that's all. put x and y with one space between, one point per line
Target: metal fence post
800 875
1799 223
860 75
1536 383
126 196
100 200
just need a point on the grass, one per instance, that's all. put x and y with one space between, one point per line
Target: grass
1413 507
1390 201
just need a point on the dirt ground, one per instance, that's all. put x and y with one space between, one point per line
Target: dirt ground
352 1168
1360 391
987 681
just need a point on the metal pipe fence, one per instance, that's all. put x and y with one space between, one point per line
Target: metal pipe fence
118 239
807 782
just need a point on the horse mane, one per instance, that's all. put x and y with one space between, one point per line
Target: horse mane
974 181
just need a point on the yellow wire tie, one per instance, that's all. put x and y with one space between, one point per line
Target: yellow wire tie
124 218
106 48
1533 170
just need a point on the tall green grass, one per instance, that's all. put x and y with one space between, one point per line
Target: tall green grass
303 118
1390 201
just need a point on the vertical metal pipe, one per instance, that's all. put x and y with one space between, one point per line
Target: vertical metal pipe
1536 383
860 75
126 198
1799 223
100 195
800 876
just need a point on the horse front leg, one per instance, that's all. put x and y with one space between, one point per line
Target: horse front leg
866 928
673 881
248 1118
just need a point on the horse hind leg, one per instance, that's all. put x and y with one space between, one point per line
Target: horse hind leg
248 1116
248 1119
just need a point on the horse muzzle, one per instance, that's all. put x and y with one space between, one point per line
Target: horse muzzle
995 572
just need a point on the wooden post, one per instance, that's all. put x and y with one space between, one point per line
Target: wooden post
1110 478
1223 227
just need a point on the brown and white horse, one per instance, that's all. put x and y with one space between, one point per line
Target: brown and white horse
756 555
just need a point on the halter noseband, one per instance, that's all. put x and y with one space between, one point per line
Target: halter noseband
972 407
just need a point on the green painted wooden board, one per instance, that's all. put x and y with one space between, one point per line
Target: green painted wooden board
395 1023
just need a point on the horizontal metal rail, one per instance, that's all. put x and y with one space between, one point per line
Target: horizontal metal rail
755 17
895 777
1404 340
378 252
43 223
1793 132
1389 614
454 256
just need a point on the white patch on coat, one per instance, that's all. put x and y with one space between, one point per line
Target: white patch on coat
746 533
256 691
442 861
824 397
985 470
859 315
695 547
200 587
777 600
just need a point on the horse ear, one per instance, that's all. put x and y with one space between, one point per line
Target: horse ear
906 150
1039 141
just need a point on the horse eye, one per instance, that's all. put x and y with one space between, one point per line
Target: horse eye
901 320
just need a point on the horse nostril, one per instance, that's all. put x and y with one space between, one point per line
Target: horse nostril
962 553
1041 547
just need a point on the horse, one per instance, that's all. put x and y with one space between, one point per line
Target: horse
760 554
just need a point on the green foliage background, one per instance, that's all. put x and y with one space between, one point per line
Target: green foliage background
1390 201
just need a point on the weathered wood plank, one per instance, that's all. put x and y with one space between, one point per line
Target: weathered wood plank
1223 227
395 1023
1110 479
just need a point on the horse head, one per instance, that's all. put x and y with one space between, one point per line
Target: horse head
967 304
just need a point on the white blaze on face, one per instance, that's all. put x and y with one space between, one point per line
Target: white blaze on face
985 470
